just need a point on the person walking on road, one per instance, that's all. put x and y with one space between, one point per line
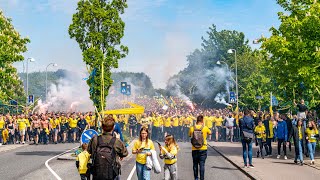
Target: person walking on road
106 150
169 153
312 135
299 137
260 132
198 134
82 163
282 136
247 131
142 148
268 124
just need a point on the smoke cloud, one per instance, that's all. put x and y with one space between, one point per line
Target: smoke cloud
69 95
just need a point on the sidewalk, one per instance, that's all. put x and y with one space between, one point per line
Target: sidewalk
270 167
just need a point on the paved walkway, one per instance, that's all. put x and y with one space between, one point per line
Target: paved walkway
270 168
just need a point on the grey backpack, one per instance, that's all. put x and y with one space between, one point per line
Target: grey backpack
197 137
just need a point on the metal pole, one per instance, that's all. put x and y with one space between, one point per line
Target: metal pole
237 89
27 92
47 82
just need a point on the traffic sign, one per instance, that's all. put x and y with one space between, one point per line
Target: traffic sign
31 99
274 101
123 88
232 97
128 90
87 135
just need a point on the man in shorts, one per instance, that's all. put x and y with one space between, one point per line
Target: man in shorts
35 125
22 125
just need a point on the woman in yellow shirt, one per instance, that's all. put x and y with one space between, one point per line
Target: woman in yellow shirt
169 154
142 148
312 135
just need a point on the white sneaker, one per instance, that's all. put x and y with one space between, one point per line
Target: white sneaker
0 144
285 157
278 157
312 162
23 142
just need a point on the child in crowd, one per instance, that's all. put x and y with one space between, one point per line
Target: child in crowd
260 132
169 154
82 163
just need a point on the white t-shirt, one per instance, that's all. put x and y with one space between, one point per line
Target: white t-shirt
229 122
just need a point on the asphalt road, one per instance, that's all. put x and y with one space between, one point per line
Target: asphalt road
216 166
26 161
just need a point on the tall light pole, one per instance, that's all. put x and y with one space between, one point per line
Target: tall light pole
27 84
230 51
54 65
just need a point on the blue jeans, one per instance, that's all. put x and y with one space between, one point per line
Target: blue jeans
199 159
142 172
247 151
300 151
312 149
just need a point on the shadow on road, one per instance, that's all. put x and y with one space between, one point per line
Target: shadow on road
39 153
289 163
224 168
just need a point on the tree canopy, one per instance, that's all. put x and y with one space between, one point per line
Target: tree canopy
294 50
12 45
98 29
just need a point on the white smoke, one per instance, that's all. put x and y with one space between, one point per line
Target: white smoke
69 95
221 98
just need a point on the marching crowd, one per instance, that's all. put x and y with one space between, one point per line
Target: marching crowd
169 125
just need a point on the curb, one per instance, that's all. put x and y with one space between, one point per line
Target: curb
67 156
233 163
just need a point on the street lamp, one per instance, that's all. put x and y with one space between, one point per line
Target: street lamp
27 84
54 65
231 51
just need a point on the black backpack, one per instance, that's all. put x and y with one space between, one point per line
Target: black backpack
105 166
197 137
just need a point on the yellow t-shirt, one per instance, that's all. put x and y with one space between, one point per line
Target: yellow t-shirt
142 157
2 123
174 151
145 122
73 123
218 121
208 121
175 122
205 131
83 159
167 122
187 122
311 134
260 131
22 124
54 123
28 123
156 121
300 132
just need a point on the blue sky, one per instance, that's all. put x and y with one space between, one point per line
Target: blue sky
159 33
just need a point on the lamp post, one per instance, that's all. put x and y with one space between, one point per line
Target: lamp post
231 51
54 65
27 84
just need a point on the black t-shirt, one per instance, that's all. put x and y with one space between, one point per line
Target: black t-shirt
302 107
132 121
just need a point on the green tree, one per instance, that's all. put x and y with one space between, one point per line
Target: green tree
294 50
12 45
254 80
98 29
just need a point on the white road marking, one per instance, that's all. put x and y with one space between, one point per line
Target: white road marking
47 165
132 172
